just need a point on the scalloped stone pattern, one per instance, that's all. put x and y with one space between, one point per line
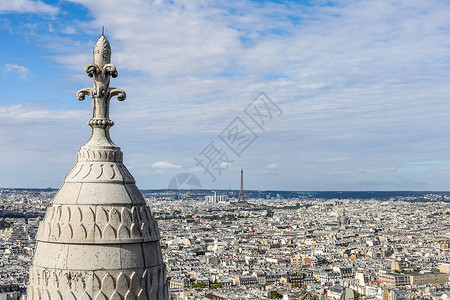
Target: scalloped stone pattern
98 224
98 240
111 155
100 171
53 284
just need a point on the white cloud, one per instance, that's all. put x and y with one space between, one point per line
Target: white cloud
22 71
361 80
26 6
196 169
224 165
272 167
69 30
164 165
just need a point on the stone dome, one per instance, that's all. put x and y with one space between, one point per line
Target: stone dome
98 240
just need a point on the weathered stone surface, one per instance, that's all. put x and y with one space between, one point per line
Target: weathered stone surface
98 224
98 171
116 193
48 283
98 240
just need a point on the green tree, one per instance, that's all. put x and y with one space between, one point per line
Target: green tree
216 286
199 285
357 295
275 295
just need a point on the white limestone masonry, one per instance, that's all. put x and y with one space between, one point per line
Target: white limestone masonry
98 240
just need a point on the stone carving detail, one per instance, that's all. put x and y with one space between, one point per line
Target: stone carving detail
98 241
106 285
101 70
98 224
99 172
114 155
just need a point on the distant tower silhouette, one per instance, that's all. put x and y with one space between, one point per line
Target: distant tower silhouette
241 200
343 220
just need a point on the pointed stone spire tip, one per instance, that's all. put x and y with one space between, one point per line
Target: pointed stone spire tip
101 70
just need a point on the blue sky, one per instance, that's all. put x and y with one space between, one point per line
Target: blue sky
363 87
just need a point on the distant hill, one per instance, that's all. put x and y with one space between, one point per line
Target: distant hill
305 195
325 195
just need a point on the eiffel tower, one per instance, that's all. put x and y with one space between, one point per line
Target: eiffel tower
241 201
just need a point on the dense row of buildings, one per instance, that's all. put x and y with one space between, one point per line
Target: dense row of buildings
291 248
21 212
376 249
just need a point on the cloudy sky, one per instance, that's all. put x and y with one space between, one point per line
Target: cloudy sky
356 93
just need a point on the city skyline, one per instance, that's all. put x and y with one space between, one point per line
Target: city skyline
361 90
295 243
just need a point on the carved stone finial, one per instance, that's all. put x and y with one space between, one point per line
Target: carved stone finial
98 239
102 52
101 71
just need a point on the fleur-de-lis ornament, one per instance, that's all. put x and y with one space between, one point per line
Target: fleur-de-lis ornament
101 71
